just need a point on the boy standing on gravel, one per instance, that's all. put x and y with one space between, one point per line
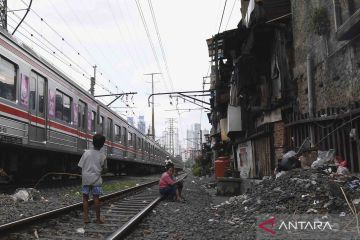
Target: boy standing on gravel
91 163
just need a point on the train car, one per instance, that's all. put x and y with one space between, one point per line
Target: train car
47 120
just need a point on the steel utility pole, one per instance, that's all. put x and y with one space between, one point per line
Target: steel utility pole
153 114
3 14
92 82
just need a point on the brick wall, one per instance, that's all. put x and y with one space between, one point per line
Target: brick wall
279 138
337 63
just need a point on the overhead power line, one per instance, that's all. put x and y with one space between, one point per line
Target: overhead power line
222 16
149 37
160 43
232 9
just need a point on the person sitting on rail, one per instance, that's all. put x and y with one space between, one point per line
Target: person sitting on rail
167 185
92 162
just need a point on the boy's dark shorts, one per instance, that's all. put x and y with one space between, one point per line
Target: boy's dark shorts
95 190
168 192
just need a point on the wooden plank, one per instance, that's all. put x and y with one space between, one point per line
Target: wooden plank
338 142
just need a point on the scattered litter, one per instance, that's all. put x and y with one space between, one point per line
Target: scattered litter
80 230
328 204
324 157
211 220
305 195
342 170
316 202
21 215
165 204
137 184
311 210
147 231
36 234
313 182
342 214
231 222
227 202
193 181
356 201
177 210
354 184
21 195
153 211
279 174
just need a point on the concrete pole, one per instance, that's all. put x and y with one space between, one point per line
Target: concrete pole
152 98
311 96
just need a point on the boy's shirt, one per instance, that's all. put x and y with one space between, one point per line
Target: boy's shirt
91 164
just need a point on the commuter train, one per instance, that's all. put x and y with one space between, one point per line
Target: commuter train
47 120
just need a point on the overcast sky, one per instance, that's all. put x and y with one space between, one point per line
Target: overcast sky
110 34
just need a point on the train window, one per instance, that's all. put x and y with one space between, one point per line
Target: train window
63 107
58 105
124 135
109 128
101 125
93 117
67 108
117 133
129 139
82 115
7 80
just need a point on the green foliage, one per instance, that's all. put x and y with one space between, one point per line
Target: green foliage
320 23
117 186
196 170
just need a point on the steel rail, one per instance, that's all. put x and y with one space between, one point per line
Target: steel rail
29 220
128 226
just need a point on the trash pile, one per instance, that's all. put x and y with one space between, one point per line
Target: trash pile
25 195
298 191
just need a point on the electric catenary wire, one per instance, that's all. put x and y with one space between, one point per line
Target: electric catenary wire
160 43
222 16
149 38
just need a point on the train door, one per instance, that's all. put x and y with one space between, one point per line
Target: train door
125 141
37 108
82 113
110 135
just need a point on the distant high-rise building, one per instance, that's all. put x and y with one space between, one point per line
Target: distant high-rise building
141 124
197 128
130 121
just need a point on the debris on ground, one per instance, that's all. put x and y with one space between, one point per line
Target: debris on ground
300 191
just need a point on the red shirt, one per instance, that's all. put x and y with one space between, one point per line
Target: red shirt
165 180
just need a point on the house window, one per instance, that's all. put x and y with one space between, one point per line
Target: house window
7 80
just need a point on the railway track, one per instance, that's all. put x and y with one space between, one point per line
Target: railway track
121 211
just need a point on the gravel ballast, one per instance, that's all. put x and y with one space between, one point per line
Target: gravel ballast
197 218
47 199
